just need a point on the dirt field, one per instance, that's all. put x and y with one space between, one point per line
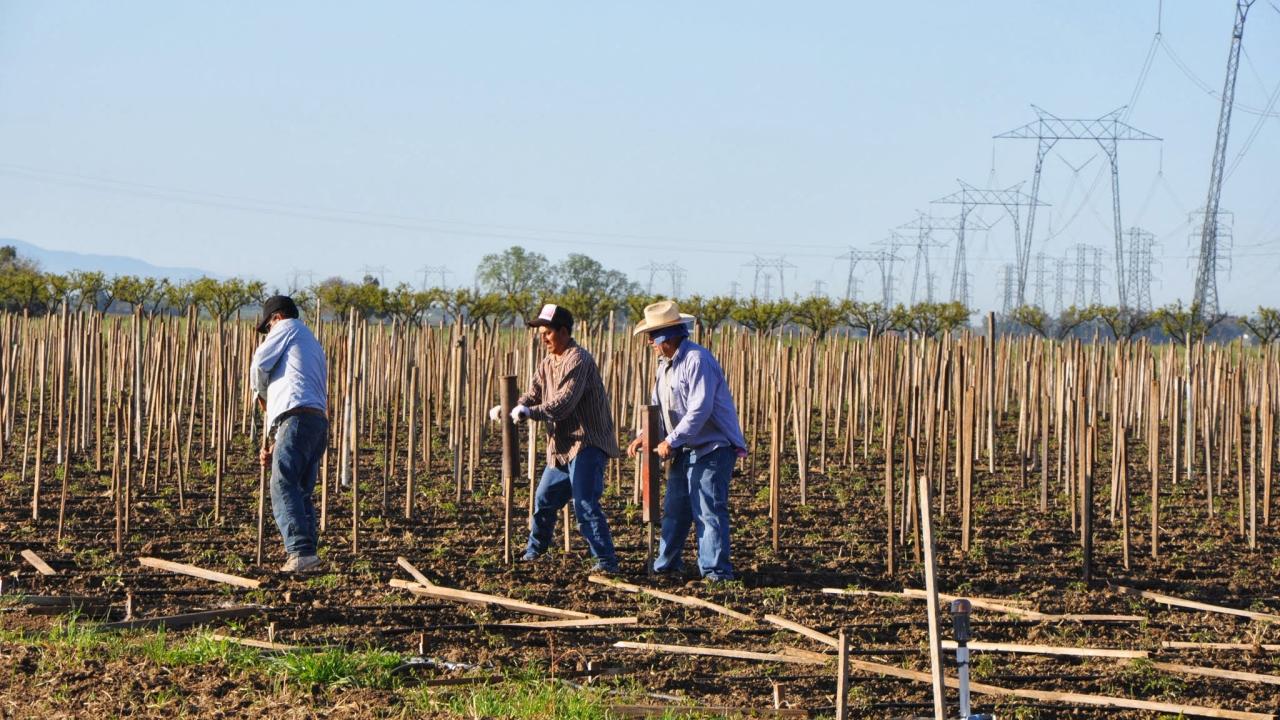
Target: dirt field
57 666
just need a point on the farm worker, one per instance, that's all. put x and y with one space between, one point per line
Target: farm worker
702 442
569 396
289 376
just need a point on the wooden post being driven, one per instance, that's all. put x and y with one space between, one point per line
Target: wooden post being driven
650 472
510 461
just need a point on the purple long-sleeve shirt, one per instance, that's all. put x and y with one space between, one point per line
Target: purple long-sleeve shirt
702 408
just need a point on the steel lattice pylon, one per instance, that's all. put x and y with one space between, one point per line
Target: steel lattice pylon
1107 131
1012 199
1205 300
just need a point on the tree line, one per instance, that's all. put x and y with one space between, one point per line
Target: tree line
512 284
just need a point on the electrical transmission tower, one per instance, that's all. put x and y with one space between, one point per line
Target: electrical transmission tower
819 288
380 270
1012 199
1096 297
760 264
1205 300
1140 262
674 272
924 225
1082 275
1008 285
1107 131
428 270
1223 241
885 262
1059 284
768 285
1039 283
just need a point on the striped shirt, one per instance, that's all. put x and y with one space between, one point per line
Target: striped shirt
569 396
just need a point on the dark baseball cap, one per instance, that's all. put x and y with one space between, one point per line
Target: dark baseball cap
555 316
282 304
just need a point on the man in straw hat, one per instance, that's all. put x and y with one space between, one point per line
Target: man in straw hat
568 395
702 443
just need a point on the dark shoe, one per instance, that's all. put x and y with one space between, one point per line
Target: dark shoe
604 568
716 578
529 556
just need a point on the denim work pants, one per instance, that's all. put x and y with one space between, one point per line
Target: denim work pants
582 480
295 462
698 494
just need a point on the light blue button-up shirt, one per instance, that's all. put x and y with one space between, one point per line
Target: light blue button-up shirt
289 369
701 408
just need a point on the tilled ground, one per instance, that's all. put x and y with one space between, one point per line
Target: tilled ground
835 540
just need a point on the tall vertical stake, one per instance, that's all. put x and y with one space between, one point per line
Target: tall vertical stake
510 461
650 471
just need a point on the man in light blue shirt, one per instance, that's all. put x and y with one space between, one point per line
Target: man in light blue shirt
290 379
702 443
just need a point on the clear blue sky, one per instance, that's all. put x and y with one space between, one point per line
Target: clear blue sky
257 138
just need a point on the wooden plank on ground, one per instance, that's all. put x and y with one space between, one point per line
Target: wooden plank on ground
1048 649
808 632
193 571
1218 673
37 562
475 598
417 574
671 597
1063 697
589 622
636 711
259 644
1247 647
992 605
720 652
184 620
1197 605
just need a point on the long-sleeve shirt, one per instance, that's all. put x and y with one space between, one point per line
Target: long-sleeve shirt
698 412
289 370
568 395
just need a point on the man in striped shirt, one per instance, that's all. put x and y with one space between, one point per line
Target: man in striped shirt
568 395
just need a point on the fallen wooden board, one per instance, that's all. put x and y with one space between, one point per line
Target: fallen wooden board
417 574
58 600
671 597
720 652
808 632
37 562
184 620
1062 697
1196 605
259 644
475 598
704 710
1248 647
1048 649
192 570
590 622
1218 673
992 605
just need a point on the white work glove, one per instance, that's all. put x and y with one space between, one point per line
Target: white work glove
519 413
495 413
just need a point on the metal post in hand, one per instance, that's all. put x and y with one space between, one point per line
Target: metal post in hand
510 461
262 487
960 620
650 471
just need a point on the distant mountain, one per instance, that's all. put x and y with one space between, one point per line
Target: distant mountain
61 261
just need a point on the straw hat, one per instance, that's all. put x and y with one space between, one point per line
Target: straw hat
662 314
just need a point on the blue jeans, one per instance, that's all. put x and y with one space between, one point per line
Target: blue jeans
583 481
698 495
295 462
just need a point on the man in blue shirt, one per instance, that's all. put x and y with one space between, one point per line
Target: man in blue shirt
702 443
290 377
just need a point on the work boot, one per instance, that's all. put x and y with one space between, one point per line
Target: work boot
300 564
